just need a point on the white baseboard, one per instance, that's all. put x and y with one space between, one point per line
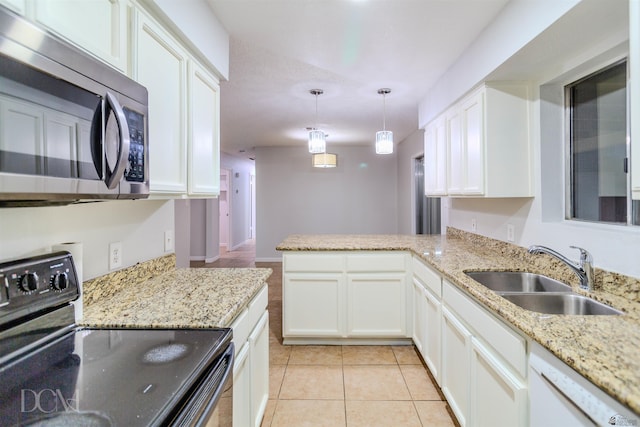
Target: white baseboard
268 259
210 260
197 258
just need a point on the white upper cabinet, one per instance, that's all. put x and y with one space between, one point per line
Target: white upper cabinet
204 135
98 26
161 66
184 114
435 154
487 139
18 6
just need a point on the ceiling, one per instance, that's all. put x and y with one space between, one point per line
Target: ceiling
281 49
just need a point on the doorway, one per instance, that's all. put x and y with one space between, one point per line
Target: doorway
224 209
427 209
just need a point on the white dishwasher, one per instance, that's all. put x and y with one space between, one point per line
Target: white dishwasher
559 396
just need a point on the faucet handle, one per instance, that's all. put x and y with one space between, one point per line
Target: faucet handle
585 256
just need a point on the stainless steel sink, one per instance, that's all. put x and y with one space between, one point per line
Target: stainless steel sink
516 281
560 303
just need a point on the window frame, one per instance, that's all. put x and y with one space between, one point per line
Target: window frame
568 160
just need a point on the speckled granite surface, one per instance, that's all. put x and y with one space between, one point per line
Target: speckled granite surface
604 349
178 298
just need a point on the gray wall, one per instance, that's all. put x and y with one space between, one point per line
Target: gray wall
408 150
357 197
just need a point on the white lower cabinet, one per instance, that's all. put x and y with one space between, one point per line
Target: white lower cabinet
419 316
484 364
499 398
251 365
313 305
346 295
376 305
241 387
456 356
432 342
259 348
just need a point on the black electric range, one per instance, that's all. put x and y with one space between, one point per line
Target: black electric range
53 372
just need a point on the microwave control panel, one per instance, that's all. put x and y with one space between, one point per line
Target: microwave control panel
135 171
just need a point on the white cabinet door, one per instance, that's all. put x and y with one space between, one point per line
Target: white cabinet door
473 144
498 398
204 135
377 305
18 6
432 343
313 305
419 316
259 355
242 387
161 66
435 158
98 26
456 169
456 349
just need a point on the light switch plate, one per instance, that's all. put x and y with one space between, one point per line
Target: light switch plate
168 240
511 233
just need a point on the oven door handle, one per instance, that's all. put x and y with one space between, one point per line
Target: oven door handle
114 176
205 399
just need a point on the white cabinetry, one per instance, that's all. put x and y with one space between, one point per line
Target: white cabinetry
435 154
427 316
484 364
18 6
251 366
341 295
182 96
204 135
100 27
456 346
487 135
161 66
499 396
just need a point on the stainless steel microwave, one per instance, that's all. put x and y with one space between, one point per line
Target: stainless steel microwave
71 127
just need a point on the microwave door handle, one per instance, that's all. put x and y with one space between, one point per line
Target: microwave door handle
114 177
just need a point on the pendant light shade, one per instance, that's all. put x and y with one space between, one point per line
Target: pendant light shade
325 160
384 138
317 139
384 142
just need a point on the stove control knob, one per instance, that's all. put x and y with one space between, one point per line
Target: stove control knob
29 282
60 281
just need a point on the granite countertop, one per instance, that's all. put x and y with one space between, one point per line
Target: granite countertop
179 298
604 349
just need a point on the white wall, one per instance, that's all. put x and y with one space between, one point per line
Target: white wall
408 150
357 197
138 224
540 220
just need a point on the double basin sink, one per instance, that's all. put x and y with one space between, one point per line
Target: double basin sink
539 293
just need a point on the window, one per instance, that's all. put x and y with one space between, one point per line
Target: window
598 160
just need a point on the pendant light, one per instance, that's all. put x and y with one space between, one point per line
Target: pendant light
317 141
325 160
384 138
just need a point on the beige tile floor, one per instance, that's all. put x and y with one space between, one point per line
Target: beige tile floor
369 386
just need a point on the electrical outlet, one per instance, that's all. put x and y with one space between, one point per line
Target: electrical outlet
474 225
168 240
115 255
511 233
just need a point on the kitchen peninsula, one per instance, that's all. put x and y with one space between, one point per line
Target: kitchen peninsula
603 349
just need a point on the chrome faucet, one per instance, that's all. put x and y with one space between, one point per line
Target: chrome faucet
582 268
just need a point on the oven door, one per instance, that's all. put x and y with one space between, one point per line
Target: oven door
211 402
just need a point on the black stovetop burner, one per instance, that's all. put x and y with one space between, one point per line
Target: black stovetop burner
55 373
